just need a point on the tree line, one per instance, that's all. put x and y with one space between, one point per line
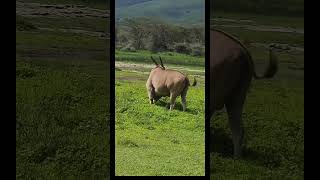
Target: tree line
146 34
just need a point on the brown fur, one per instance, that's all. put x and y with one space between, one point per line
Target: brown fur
165 82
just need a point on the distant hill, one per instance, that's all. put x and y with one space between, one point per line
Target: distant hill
185 12
125 3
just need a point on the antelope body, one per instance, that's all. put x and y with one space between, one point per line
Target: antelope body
165 82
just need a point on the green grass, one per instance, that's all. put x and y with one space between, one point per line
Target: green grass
295 39
274 124
284 21
44 39
273 116
84 23
266 37
62 111
62 104
150 139
55 45
277 8
24 25
62 115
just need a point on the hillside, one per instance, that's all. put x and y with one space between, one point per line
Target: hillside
182 12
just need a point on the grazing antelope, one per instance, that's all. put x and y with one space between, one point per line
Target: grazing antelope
165 82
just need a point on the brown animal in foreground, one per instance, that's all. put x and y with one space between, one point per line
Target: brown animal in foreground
165 82
231 72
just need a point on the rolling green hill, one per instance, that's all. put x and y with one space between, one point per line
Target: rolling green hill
176 11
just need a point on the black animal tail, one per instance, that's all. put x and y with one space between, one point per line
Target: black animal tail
194 81
271 69
273 60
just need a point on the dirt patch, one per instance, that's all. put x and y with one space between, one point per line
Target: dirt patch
132 78
125 65
37 9
135 67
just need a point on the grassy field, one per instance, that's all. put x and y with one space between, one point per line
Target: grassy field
278 8
294 22
174 59
88 24
62 100
150 139
274 110
62 106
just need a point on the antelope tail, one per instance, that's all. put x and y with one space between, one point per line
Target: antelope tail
273 61
271 69
194 81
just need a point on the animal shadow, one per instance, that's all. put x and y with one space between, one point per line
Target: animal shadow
221 143
178 106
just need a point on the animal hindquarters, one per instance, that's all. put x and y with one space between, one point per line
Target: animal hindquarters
183 102
172 100
177 88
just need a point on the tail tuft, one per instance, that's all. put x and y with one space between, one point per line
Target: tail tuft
194 81
272 67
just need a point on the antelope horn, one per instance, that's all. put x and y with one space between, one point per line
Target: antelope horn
154 61
161 62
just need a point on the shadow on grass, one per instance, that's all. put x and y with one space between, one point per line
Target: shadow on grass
221 143
178 106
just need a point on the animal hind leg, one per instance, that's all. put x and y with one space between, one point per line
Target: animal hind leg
235 119
151 95
172 100
234 108
183 99
184 103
